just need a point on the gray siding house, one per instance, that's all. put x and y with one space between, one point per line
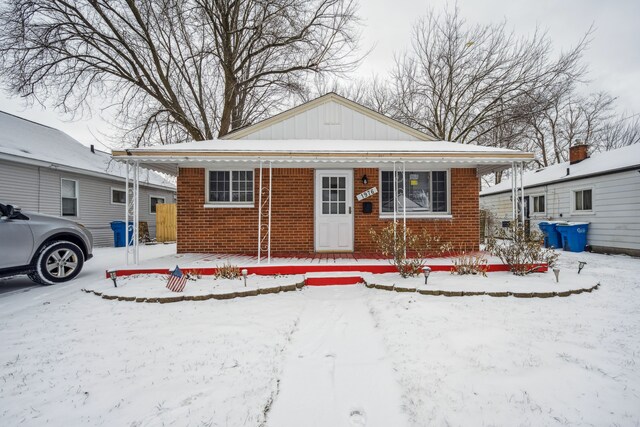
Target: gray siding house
44 170
603 190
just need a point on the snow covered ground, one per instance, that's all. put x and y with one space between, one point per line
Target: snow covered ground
335 356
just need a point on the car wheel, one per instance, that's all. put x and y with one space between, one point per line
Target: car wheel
57 262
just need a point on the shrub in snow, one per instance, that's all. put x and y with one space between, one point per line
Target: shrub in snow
408 251
227 271
519 251
470 263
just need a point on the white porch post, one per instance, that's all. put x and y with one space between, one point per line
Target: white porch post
269 227
127 206
260 216
522 193
514 196
395 201
136 212
132 203
404 206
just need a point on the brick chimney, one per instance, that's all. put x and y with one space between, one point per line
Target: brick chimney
578 152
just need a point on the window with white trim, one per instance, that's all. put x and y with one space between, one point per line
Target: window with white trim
582 200
69 197
118 196
427 192
230 187
153 201
538 204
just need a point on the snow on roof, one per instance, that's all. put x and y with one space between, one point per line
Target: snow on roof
620 158
36 142
323 146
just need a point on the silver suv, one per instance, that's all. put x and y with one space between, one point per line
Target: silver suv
48 249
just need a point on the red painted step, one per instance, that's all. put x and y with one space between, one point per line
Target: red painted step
333 278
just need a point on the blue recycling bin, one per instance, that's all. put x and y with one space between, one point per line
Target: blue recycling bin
118 228
574 235
552 238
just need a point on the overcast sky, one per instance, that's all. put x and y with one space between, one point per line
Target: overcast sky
613 56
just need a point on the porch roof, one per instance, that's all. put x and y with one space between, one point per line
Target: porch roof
319 153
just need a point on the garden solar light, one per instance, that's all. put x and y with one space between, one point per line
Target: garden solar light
244 275
113 274
581 265
426 270
556 271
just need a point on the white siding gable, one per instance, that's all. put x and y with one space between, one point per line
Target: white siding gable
330 120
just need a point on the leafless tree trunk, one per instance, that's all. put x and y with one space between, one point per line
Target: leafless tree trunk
174 70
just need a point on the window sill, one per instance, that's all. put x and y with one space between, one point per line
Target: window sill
583 213
399 216
228 205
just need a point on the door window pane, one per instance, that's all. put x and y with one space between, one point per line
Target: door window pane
334 194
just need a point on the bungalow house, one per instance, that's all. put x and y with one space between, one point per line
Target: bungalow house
317 178
602 189
44 170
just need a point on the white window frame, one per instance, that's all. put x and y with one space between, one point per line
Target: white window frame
400 214
229 204
575 211
152 196
77 185
532 204
118 189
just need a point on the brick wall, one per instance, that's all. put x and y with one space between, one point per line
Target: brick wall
462 230
235 230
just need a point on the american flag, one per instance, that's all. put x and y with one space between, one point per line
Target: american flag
177 280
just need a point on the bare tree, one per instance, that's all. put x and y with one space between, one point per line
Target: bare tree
461 83
570 118
173 69
621 132
274 43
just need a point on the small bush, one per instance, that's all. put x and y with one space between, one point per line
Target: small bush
408 254
470 263
520 252
195 274
227 271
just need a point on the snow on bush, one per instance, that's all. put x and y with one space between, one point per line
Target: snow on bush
521 252
407 250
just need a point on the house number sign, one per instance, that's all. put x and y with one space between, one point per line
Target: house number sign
370 192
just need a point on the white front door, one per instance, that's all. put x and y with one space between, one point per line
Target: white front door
334 210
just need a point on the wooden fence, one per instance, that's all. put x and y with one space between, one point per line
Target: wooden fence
166 222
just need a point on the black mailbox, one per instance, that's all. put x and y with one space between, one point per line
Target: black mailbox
367 207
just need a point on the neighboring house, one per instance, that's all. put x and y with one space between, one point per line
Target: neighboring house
315 160
603 190
44 170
